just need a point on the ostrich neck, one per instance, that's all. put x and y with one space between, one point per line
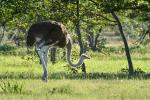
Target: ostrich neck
69 47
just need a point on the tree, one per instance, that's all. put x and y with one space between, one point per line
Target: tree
93 39
79 34
130 65
107 6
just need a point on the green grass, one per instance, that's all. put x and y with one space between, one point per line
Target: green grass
82 90
19 67
113 63
98 63
104 79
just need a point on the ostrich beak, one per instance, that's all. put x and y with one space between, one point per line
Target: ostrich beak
87 57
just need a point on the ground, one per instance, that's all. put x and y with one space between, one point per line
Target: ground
65 89
106 78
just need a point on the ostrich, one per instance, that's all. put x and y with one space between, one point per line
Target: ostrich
44 35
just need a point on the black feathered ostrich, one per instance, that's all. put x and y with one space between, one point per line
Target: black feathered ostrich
45 35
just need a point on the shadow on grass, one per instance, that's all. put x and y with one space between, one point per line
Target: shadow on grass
63 75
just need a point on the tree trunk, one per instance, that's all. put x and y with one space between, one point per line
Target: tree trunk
3 34
96 41
93 40
79 35
130 65
90 39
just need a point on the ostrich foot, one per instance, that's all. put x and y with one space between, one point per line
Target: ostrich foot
44 78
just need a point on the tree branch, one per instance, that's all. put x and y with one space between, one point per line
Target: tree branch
104 17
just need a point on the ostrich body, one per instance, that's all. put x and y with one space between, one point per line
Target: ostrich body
44 35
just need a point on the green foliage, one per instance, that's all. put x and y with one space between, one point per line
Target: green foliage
6 47
71 70
101 44
19 15
11 87
146 42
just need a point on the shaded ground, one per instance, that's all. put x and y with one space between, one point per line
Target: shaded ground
62 75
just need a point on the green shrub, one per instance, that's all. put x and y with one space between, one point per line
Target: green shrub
146 42
6 47
72 69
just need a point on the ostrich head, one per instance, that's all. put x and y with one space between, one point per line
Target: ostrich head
84 56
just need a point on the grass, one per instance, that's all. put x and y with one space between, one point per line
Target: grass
104 80
82 90
98 63
99 66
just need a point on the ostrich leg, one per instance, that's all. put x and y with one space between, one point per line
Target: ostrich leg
36 50
43 54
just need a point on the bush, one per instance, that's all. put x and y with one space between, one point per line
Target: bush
6 47
71 70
